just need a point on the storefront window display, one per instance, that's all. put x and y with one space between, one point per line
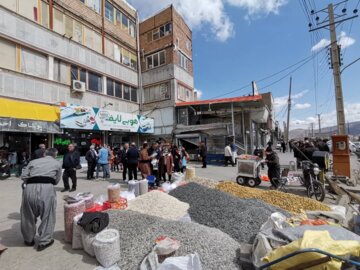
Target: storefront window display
82 140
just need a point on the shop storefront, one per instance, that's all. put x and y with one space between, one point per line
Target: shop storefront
84 126
24 125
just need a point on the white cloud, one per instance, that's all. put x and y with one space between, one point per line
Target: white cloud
199 93
302 106
280 102
255 7
210 13
352 114
321 44
343 40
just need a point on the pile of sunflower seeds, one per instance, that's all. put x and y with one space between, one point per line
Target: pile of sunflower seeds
239 218
138 232
159 204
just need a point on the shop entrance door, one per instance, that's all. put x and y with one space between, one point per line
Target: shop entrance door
38 138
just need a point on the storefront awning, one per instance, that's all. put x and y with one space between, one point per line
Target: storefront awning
29 111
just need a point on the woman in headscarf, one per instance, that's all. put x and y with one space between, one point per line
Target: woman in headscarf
144 161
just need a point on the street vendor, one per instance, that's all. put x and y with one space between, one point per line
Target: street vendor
272 161
39 199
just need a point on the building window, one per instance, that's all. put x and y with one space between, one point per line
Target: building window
95 82
59 22
44 14
126 57
78 74
188 45
29 9
157 93
132 28
134 92
118 90
7 55
93 4
155 60
156 34
109 12
109 87
165 30
92 40
126 92
61 71
78 32
183 93
124 21
133 61
183 61
34 63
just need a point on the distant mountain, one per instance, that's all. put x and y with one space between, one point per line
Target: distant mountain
352 128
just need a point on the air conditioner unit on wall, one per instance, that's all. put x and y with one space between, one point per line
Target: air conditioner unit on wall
78 86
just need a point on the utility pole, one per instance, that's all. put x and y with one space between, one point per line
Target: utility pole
288 115
330 23
319 120
312 130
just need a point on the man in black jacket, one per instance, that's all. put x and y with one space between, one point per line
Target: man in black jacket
132 156
39 153
272 161
203 154
124 160
91 158
71 162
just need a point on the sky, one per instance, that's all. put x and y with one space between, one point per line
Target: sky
239 41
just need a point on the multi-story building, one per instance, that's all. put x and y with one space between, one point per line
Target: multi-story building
59 52
166 66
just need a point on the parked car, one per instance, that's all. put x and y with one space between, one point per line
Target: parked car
352 146
357 144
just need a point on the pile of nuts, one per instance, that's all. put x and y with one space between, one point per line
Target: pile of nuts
289 202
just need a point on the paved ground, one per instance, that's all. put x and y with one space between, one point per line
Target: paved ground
60 256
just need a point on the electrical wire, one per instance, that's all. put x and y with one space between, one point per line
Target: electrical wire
302 62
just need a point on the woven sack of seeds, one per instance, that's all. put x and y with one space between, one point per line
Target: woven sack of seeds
134 186
71 211
113 193
77 240
87 242
107 247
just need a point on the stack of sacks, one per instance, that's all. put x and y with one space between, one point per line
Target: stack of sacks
70 211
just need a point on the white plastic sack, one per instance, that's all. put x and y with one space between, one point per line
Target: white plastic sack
337 212
167 187
178 176
107 247
87 242
77 239
113 267
189 262
128 195
166 246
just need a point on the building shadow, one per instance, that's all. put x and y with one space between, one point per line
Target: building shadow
12 237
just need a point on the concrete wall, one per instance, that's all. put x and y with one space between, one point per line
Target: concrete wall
28 33
164 120
17 85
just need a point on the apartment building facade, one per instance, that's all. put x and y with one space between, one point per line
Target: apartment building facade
167 68
46 46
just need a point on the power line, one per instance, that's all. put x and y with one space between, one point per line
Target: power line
303 61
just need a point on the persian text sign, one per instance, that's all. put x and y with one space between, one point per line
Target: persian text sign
80 117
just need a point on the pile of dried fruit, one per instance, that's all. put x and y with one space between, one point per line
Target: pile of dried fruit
289 202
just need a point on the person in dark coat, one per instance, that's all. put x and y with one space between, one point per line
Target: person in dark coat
322 145
203 154
71 162
283 146
177 158
91 158
124 160
23 161
272 161
39 153
132 156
